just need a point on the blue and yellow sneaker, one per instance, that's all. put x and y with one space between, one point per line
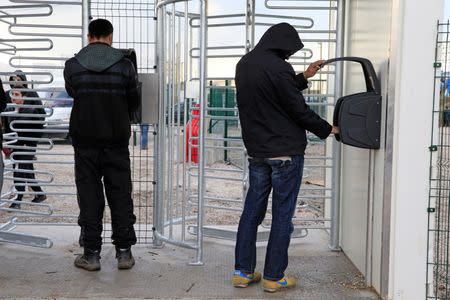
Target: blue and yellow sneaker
242 280
272 286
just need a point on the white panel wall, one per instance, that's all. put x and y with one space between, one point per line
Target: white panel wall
368 26
411 78
384 193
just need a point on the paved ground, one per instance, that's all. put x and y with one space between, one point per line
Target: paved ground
163 273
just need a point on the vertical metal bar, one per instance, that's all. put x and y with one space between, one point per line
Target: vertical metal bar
186 107
170 117
369 232
431 193
336 184
203 39
86 16
158 213
249 25
178 127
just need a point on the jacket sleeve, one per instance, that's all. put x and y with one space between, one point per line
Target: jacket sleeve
68 83
293 103
3 98
132 88
302 81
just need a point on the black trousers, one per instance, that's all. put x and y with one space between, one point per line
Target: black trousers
25 166
113 166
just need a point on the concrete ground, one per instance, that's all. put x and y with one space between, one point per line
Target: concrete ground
164 273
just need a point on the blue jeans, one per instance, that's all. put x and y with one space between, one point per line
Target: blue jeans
284 178
144 136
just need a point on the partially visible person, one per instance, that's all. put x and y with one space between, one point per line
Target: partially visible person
103 84
3 100
27 134
19 80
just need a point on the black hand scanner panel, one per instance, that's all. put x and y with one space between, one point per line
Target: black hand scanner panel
359 115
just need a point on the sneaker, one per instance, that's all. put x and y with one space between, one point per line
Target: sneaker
273 286
39 199
242 280
15 206
89 261
125 258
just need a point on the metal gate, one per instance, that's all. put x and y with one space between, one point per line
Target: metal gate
195 165
202 164
42 36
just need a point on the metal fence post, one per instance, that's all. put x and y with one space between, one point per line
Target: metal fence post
249 25
336 184
86 16
158 213
203 104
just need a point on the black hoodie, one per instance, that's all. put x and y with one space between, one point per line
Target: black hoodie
103 84
39 111
272 110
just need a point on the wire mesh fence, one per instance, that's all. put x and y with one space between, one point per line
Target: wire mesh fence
134 27
438 263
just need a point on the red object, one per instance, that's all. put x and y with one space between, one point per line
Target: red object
7 152
191 129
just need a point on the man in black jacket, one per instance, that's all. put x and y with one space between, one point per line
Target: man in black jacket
103 84
274 119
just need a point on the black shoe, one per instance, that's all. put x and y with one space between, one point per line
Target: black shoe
39 199
15 206
124 258
89 261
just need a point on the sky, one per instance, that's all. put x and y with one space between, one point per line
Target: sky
228 36
217 37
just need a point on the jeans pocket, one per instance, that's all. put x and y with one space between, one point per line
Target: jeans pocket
281 168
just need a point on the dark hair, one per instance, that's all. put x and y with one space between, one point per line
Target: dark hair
100 28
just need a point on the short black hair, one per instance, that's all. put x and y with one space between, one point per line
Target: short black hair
100 28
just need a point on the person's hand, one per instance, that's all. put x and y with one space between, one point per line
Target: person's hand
313 68
335 130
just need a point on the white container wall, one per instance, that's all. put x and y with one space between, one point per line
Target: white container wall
384 192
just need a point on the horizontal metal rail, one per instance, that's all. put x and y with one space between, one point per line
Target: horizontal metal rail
242 23
44 26
50 2
35 59
48 74
23 48
267 4
27 15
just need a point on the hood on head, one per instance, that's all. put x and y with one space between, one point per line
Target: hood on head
283 38
98 57
22 76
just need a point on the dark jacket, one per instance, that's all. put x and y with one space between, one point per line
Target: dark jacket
3 100
103 84
272 110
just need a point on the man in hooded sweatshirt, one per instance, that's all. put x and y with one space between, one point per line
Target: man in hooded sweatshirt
103 84
274 119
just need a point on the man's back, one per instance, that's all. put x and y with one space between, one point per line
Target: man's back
272 111
103 85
